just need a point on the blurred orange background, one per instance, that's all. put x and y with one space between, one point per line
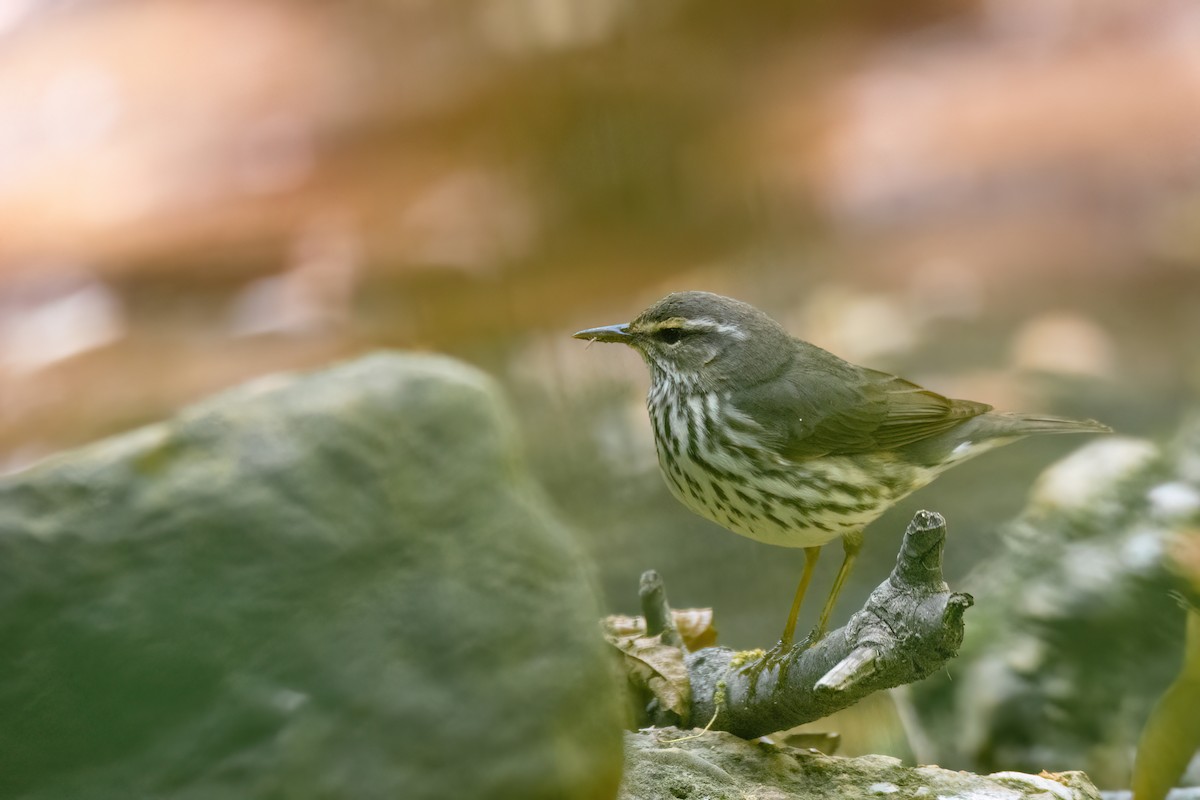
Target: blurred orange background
999 199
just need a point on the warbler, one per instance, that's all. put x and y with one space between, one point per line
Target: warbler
785 443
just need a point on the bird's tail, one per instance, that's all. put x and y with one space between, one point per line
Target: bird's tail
1010 424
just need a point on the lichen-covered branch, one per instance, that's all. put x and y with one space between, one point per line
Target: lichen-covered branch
910 626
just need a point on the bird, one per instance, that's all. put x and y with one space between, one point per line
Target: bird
785 443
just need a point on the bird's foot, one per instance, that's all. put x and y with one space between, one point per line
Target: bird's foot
814 636
779 652
755 662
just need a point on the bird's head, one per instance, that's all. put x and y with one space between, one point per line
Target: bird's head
701 340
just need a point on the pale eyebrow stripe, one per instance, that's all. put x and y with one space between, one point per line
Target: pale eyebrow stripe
699 324
706 324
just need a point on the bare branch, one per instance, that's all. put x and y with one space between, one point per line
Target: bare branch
855 667
910 626
656 610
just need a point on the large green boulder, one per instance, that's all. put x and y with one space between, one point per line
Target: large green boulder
340 585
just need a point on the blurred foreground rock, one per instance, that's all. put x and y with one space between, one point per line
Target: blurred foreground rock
1076 632
336 585
662 763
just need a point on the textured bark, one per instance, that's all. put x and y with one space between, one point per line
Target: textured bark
910 626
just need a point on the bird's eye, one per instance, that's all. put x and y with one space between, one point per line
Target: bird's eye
670 335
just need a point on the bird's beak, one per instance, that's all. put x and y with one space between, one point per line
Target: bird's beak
608 333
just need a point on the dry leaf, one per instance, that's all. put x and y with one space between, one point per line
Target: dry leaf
651 665
695 625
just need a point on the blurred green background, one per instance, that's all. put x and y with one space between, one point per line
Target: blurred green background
999 199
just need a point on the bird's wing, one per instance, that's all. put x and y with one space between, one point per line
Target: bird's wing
822 405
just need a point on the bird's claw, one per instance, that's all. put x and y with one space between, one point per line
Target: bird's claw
785 651
777 653
781 653
814 636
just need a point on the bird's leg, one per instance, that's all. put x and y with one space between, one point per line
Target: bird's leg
852 542
779 651
810 561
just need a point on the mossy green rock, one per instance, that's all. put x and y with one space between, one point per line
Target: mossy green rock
1077 632
340 585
